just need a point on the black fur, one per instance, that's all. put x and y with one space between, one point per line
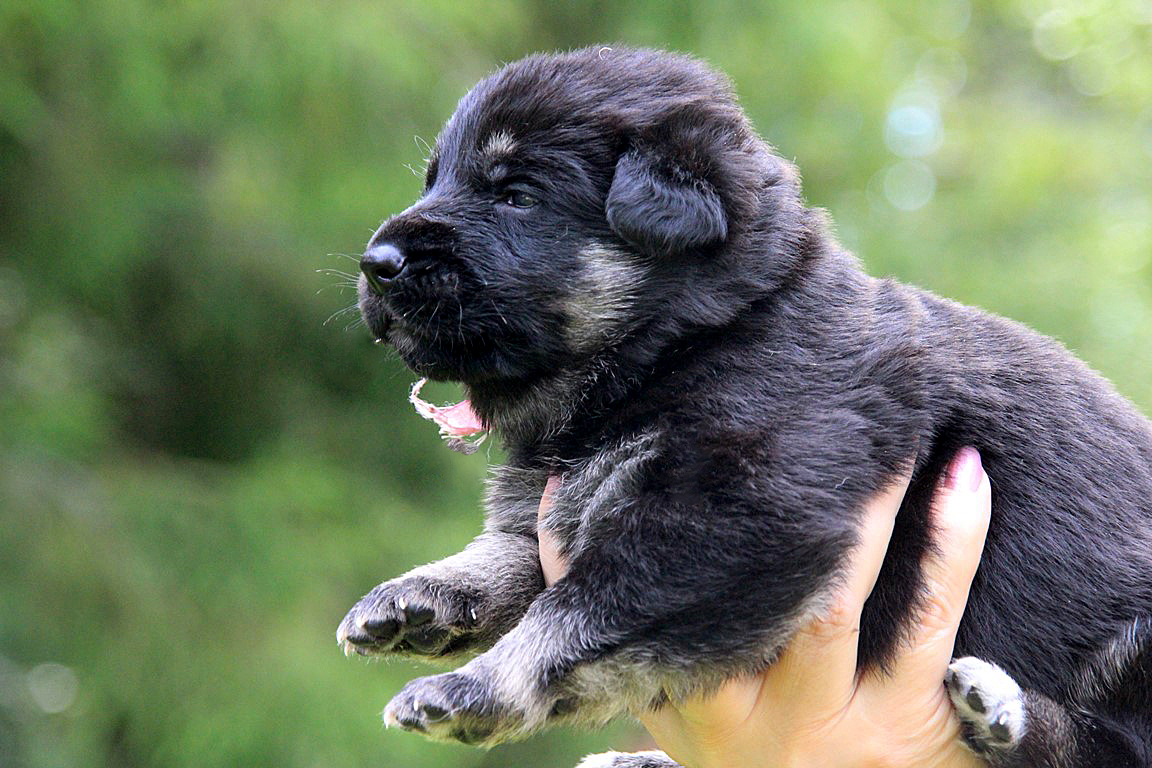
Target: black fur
627 281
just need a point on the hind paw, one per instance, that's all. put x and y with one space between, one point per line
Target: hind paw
989 703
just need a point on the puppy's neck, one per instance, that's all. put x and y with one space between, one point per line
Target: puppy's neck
530 414
571 413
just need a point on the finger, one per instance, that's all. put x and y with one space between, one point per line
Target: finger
821 658
551 563
961 510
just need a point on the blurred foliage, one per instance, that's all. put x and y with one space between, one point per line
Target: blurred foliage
203 462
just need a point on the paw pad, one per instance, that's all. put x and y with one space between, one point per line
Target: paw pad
409 615
989 703
446 707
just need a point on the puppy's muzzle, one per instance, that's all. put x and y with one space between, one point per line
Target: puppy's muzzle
381 264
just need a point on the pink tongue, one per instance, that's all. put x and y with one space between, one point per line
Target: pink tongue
456 422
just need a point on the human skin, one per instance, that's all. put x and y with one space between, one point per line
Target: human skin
810 709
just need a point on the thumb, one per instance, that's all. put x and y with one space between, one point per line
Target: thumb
552 563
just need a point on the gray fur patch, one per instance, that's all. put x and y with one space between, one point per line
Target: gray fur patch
596 489
546 408
1096 680
512 498
604 299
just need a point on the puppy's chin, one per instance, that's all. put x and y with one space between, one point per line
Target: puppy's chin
470 361
437 365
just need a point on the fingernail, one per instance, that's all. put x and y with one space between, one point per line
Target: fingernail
965 470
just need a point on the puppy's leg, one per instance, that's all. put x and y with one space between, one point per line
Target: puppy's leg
508 691
459 604
1012 727
635 620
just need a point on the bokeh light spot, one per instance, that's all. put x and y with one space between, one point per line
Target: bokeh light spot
53 687
1057 36
909 185
912 130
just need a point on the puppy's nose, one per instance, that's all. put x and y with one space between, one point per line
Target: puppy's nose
380 264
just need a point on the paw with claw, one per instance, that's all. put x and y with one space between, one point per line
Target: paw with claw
989 703
414 614
451 707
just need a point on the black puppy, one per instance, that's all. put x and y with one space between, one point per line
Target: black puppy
629 285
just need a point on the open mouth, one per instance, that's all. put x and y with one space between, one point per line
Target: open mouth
459 425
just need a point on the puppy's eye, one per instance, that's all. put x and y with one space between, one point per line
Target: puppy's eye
518 198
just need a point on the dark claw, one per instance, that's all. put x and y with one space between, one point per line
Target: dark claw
359 640
563 707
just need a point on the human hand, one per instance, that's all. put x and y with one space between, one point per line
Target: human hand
810 708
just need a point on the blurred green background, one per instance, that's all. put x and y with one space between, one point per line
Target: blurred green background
204 462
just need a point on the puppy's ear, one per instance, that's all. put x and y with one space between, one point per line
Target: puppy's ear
662 208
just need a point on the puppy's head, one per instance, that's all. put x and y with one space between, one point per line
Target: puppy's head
573 204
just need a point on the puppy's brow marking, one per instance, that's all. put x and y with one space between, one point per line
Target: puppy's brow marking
499 145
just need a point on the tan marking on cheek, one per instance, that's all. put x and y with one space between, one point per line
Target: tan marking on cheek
605 296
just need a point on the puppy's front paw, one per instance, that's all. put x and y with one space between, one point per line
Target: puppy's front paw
412 614
453 706
628 760
989 703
